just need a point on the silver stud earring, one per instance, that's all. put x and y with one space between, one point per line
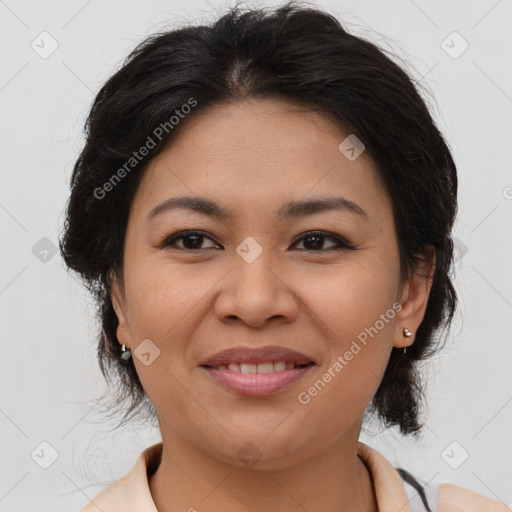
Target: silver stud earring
126 353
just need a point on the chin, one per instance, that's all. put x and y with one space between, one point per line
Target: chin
263 449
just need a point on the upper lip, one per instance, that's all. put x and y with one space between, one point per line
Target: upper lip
249 355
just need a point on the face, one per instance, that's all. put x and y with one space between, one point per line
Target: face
321 281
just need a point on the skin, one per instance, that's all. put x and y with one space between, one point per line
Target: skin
251 157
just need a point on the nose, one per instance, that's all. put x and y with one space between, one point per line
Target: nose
255 293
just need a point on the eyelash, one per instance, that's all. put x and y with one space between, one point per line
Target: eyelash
341 243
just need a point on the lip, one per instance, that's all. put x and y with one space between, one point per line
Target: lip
250 355
256 384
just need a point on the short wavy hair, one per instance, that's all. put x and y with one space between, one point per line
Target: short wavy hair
296 53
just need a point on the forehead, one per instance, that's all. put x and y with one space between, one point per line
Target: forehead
252 154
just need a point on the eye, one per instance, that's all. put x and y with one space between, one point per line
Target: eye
315 241
192 240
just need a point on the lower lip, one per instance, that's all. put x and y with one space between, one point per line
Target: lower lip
257 384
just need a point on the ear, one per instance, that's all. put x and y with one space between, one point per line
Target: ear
119 304
414 298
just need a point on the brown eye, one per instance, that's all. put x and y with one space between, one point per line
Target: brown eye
314 241
191 240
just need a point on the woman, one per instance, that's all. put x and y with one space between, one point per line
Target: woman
263 210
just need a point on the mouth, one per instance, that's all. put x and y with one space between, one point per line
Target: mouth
257 380
257 372
261 368
258 356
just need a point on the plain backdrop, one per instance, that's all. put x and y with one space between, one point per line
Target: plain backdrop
55 57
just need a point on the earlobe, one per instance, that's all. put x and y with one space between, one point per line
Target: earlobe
414 300
119 305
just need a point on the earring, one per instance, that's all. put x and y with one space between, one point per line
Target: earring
407 334
126 353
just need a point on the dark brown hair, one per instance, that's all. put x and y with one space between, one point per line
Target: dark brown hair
294 53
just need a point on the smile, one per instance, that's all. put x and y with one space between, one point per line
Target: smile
258 379
261 368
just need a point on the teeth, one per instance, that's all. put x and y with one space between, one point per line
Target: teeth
279 366
247 368
267 367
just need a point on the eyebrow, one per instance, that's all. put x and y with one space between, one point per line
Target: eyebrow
292 209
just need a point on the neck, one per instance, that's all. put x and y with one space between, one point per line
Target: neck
188 479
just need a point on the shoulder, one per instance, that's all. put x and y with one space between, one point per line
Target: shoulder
446 497
453 498
131 493
109 499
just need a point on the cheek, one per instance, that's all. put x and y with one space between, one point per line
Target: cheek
355 314
167 305
349 300
162 308
162 296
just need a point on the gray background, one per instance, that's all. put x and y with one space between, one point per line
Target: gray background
49 372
